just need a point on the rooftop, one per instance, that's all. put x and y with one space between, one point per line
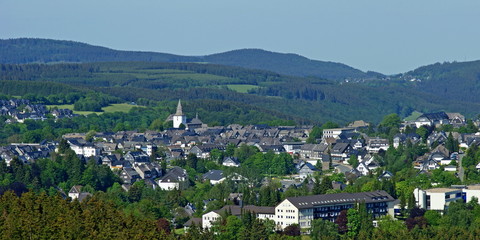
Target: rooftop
340 198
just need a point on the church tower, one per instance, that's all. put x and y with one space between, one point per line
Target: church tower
179 118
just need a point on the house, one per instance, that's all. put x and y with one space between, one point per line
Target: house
341 151
292 147
386 175
203 151
208 219
313 151
86 149
402 138
376 144
432 119
129 175
336 132
456 119
147 170
363 168
215 176
76 193
136 156
176 178
306 169
303 210
231 162
277 149
436 137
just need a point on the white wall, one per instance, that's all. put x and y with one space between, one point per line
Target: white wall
209 218
286 214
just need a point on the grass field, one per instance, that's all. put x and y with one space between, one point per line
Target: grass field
413 116
119 107
241 88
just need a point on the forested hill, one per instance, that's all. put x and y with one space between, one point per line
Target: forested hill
33 50
29 50
456 80
288 64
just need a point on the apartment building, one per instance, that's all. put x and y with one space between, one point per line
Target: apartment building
302 210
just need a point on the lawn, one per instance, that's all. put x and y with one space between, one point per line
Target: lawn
241 88
413 116
119 107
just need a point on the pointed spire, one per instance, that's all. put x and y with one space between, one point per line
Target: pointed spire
179 109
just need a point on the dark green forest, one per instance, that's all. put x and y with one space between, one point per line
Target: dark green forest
28 50
303 100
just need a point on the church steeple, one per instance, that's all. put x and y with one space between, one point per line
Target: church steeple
179 109
179 118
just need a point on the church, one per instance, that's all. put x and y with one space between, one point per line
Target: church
180 120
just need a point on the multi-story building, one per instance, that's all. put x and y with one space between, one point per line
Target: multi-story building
302 210
436 198
439 198
335 132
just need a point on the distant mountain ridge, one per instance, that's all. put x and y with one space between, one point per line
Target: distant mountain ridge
30 50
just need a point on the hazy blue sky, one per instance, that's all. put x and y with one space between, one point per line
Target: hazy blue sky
379 35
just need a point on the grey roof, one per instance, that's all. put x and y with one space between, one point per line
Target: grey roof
340 198
238 210
233 160
435 116
213 175
174 175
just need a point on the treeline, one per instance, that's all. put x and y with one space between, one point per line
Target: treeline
438 78
38 216
62 170
30 50
307 98
20 88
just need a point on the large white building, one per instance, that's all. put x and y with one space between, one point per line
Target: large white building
302 210
335 132
436 198
439 198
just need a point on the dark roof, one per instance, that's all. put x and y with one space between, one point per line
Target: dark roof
340 198
435 116
238 210
213 175
231 159
174 175
193 221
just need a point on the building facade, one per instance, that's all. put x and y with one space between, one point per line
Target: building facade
303 210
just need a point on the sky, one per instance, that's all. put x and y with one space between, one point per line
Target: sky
378 35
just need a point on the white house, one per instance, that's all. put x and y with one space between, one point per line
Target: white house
176 178
231 162
86 149
208 219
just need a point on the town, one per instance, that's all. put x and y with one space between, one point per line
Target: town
313 172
